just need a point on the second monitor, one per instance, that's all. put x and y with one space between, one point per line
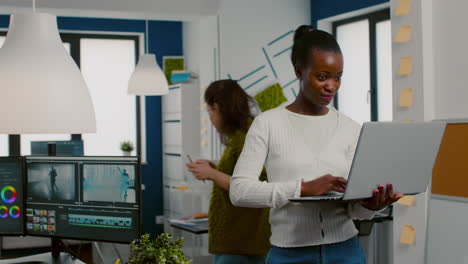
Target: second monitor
91 198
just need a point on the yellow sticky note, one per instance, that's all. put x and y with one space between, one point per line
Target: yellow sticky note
403 7
404 34
408 120
406 97
408 235
406 65
407 200
182 188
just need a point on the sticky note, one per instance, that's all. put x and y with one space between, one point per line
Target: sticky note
406 65
404 34
406 97
203 131
408 120
408 235
407 200
403 7
182 188
204 142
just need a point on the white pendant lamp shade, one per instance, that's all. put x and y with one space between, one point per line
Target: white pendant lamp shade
148 78
41 88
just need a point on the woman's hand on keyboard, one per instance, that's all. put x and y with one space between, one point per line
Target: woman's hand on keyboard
322 185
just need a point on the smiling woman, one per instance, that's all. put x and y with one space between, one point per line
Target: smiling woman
305 148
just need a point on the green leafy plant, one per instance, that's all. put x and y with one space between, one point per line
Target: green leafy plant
162 250
126 146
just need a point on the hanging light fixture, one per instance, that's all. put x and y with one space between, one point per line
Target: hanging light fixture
148 78
42 90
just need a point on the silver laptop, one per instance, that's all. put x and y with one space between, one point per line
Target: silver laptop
402 154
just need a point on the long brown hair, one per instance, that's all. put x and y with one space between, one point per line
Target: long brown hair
233 104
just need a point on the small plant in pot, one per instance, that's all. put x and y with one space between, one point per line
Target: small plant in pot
126 147
162 250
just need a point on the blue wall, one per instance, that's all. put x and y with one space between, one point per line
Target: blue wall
165 39
321 9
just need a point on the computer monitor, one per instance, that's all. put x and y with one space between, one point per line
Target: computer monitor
89 198
62 148
11 196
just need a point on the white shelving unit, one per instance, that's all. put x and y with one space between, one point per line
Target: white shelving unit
183 194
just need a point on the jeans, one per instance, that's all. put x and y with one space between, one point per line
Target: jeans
239 259
346 252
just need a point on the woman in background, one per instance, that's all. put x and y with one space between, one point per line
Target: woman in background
236 235
307 149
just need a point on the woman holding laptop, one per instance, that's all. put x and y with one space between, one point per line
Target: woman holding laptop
307 148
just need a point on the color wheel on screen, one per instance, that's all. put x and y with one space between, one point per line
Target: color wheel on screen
3 211
5 191
15 211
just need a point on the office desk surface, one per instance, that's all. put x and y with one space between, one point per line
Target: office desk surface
196 226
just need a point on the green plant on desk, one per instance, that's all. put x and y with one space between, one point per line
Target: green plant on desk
126 146
162 250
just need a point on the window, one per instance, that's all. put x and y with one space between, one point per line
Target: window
384 70
3 138
107 62
115 110
366 90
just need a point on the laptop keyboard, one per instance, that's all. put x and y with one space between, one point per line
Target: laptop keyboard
333 194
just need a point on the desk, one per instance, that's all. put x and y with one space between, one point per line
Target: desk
376 236
365 226
197 230
43 258
196 226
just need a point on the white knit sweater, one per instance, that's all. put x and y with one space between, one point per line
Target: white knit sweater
275 142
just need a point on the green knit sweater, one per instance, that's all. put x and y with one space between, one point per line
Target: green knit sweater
236 230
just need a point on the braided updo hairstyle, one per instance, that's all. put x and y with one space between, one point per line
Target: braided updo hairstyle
307 39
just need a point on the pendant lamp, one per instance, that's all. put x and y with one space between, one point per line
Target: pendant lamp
148 78
42 90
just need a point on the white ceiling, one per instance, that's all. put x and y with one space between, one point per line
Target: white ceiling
143 9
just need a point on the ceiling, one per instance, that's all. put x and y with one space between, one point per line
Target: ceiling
137 9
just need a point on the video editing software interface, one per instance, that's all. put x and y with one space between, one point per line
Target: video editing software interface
91 198
11 196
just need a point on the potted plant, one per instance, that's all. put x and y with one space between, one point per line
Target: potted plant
126 147
162 250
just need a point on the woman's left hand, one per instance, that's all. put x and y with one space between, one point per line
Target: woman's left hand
381 198
201 169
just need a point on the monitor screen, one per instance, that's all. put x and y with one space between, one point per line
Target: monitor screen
84 197
11 196
62 148
114 183
52 181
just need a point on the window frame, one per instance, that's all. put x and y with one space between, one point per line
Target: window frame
373 18
74 40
